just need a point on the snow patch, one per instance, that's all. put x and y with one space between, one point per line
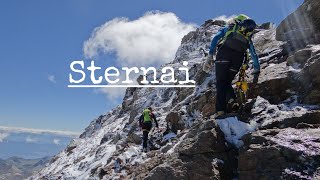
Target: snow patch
234 129
169 136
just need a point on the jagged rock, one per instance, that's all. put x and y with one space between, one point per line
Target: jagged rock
183 94
299 57
312 117
115 137
211 22
105 138
287 114
209 140
205 103
133 116
266 44
132 137
174 120
310 79
302 26
269 154
274 83
70 147
268 25
304 125
166 148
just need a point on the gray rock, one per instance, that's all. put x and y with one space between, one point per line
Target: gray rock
302 26
268 154
268 25
133 138
300 57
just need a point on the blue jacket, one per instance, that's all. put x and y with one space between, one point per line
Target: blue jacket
221 34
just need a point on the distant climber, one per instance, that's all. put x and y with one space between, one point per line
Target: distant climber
232 43
145 122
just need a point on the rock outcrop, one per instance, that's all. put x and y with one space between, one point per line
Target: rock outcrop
287 154
302 27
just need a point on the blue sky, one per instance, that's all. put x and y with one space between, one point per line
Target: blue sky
40 38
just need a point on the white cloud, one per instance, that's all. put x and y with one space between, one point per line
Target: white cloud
52 78
150 40
31 140
56 141
3 135
4 130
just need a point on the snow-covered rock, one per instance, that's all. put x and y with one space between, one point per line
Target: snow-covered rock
190 145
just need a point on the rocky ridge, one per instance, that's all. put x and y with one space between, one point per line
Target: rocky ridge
278 138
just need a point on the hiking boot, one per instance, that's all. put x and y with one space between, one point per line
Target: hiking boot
145 150
232 106
235 107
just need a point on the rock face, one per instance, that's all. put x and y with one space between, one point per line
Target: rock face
282 114
287 154
302 27
202 155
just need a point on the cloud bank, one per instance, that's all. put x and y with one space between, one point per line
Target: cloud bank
149 40
5 131
31 140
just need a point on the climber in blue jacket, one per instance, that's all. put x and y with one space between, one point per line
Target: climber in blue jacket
232 41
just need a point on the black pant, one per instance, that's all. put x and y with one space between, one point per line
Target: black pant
146 128
227 66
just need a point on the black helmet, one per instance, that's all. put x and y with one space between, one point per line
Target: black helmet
247 26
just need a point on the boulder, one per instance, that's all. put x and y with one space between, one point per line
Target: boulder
300 57
133 138
206 139
174 121
205 103
286 154
273 84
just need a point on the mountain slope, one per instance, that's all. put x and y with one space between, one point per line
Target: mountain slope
19 168
282 110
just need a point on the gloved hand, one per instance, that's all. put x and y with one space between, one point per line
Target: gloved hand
208 64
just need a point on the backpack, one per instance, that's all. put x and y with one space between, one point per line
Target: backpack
146 115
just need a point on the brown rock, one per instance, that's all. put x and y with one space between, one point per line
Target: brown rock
173 118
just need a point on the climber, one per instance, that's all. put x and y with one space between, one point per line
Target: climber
232 42
145 122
